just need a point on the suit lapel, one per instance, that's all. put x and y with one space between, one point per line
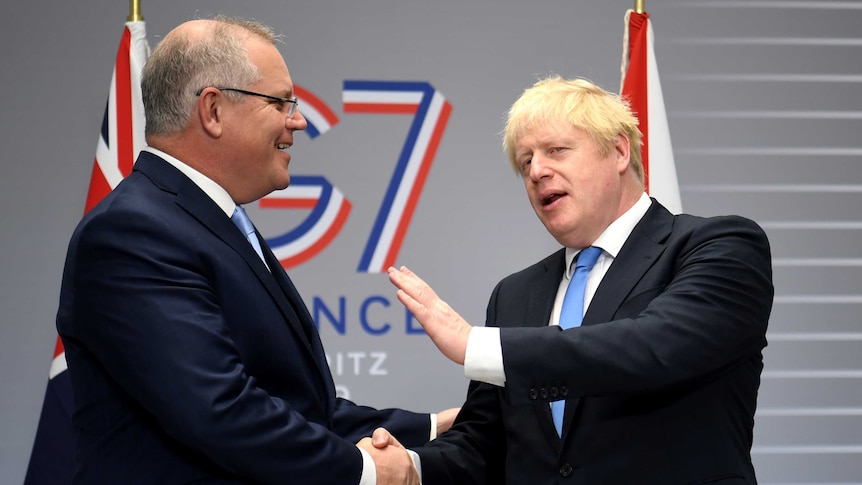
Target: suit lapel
303 323
640 251
542 290
192 199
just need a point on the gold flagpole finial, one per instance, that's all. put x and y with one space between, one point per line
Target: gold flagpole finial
639 6
135 11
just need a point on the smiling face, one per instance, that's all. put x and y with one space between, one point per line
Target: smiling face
576 190
259 130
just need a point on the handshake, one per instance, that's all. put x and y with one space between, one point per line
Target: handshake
393 462
449 332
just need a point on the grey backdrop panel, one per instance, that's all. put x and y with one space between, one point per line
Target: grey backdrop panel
764 106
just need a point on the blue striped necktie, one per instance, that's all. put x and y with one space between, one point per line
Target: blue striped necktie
240 218
573 312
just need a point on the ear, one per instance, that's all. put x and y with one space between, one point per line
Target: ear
209 110
622 151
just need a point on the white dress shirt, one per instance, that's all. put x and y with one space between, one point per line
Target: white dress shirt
484 358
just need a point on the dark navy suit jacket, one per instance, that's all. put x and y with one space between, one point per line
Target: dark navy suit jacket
661 380
190 362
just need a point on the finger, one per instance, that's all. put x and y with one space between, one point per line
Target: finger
399 279
406 277
408 301
365 443
406 270
420 312
417 288
381 438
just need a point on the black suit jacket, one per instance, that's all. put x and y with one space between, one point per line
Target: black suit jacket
661 380
189 360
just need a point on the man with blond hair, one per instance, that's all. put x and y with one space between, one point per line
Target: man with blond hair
640 366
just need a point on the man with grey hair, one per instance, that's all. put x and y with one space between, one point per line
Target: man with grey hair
191 354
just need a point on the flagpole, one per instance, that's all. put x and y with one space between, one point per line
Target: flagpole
639 6
135 11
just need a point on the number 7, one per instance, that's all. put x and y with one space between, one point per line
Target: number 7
431 112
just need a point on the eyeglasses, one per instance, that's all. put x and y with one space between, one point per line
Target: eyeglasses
292 101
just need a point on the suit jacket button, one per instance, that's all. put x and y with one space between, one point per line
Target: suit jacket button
544 393
554 392
533 394
564 391
566 470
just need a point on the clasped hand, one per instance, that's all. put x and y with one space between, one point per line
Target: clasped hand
393 463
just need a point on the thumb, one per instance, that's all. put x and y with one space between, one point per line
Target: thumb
381 438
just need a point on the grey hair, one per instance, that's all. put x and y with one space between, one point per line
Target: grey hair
180 66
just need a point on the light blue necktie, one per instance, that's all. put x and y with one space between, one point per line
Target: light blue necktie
573 312
240 218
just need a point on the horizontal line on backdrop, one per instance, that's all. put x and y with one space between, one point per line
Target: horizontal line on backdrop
774 151
771 41
816 262
813 374
812 225
823 299
771 78
816 412
782 188
807 450
771 115
782 4
813 336
810 483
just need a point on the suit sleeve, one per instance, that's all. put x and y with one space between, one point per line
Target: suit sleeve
471 452
702 310
151 317
354 422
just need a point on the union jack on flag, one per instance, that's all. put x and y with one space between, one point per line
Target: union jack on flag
120 140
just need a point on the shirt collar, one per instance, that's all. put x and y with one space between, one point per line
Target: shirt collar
611 240
213 190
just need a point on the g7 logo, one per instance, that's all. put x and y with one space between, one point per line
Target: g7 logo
329 207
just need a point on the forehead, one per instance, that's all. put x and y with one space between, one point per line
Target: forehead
268 59
548 132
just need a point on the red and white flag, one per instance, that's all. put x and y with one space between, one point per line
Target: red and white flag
120 140
641 86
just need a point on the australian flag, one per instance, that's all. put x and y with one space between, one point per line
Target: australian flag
120 140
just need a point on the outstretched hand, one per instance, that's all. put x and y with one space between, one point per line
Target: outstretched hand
447 329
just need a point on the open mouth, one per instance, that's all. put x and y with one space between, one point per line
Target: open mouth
549 199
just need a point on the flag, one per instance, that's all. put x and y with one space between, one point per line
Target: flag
120 140
641 86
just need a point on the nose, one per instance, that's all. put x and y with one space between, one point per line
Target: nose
297 122
539 169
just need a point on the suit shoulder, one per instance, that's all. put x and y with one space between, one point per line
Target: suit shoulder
553 262
719 224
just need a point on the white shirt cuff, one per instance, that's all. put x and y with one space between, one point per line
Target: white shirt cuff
433 433
369 470
483 361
